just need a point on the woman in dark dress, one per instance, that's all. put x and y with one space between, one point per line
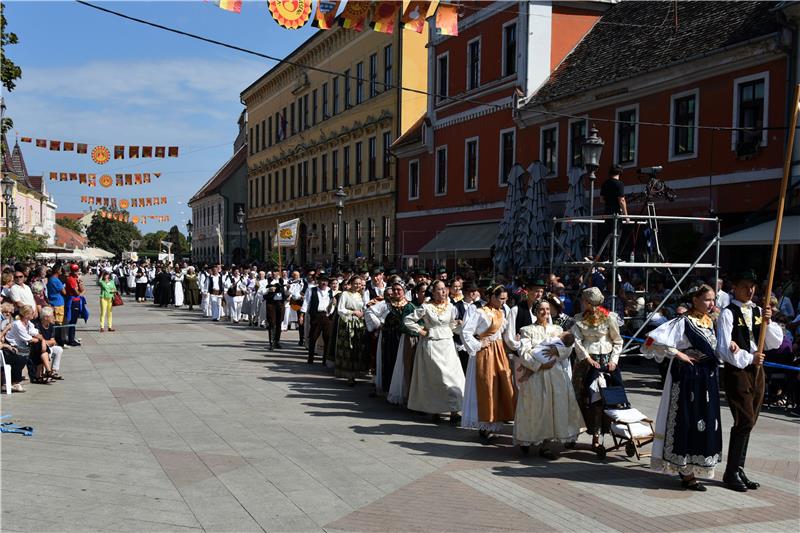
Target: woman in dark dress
162 293
191 289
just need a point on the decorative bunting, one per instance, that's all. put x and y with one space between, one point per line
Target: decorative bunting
123 204
63 176
82 178
69 146
82 148
147 151
146 177
415 15
73 176
325 16
53 176
26 139
137 179
119 152
447 19
133 152
234 6
172 151
133 202
41 143
291 14
128 179
354 15
106 181
160 151
385 16
55 146
120 180
101 155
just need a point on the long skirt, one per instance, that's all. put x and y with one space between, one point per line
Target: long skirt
389 343
403 367
584 379
489 396
547 409
352 358
437 385
178 294
688 433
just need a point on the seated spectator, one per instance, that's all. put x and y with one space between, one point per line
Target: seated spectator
24 336
21 294
7 280
47 329
11 357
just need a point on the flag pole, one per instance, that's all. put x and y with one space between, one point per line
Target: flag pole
787 169
278 235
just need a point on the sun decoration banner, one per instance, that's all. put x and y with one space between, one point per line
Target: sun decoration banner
126 217
105 180
134 152
325 16
383 20
287 232
101 155
447 19
291 14
134 202
354 15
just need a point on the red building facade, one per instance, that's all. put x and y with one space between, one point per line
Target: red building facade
648 86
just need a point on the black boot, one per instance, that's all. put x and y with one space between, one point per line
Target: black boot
731 477
752 485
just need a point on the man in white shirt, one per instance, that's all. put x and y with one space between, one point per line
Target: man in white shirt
315 314
21 294
738 329
215 288
723 299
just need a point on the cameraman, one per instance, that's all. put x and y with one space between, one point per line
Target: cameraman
613 193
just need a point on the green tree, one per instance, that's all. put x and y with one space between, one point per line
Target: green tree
10 71
112 235
180 245
70 223
20 246
152 241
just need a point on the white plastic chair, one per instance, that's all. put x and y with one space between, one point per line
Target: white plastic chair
6 373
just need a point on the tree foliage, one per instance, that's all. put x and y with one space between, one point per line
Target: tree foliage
180 246
70 223
20 246
152 241
112 235
10 70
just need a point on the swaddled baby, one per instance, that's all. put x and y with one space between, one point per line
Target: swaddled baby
542 353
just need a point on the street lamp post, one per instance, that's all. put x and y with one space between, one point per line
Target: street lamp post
240 221
591 149
8 191
340 197
189 227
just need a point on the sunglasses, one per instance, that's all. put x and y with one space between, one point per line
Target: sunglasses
17 277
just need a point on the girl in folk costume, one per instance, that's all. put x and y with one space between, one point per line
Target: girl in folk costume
392 314
191 288
547 410
489 397
406 350
177 279
437 384
374 316
688 435
738 329
352 359
597 347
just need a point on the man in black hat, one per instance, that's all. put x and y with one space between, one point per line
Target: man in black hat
317 309
375 286
441 273
738 329
613 194
521 315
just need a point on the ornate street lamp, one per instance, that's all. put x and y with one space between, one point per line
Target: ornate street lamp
240 221
591 150
340 198
189 227
8 190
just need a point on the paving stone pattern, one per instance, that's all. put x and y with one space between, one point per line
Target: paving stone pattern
175 423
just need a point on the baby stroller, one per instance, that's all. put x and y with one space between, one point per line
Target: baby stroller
628 426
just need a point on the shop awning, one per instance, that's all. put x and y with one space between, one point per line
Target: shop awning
762 234
465 240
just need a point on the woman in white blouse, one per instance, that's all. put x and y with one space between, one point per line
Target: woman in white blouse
177 277
437 383
352 359
597 348
489 397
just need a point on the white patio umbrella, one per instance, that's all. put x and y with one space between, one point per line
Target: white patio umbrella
504 244
573 237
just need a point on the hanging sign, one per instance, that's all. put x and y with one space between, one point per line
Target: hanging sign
291 14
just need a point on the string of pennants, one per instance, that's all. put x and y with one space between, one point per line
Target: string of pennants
105 180
127 217
380 16
124 203
102 155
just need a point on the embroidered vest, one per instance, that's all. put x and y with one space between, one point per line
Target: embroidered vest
523 315
313 305
740 333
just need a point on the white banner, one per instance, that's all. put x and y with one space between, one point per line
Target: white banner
287 233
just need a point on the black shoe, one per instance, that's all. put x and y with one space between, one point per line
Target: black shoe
310 360
734 482
436 419
692 484
484 436
751 485
278 346
73 343
525 450
547 453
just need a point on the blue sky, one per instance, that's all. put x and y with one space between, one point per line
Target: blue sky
92 77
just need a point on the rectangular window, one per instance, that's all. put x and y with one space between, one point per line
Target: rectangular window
359 83
305 112
277 128
372 158
387 238
371 239
442 83
508 146
324 239
413 180
335 168
346 238
357 234
299 115
359 160
577 134
471 164
292 183
373 75
751 98
325 101
509 49
387 67
473 64
626 134
252 195
263 190
441 171
284 190
293 124
305 178
256 145
387 154
335 96
269 189
324 164
314 107
684 117
347 89
250 142
346 166
269 139
548 153
314 176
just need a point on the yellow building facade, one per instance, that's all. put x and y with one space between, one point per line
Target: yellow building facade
310 132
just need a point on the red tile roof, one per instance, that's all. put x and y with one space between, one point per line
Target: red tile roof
70 216
69 239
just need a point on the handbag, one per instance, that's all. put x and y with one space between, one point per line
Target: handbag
116 300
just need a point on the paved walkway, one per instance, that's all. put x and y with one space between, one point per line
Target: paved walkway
174 423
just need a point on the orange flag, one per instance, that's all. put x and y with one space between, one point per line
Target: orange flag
325 16
133 152
383 20
414 17
173 151
447 20
354 15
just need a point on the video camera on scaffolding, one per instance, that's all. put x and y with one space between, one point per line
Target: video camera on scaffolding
656 188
